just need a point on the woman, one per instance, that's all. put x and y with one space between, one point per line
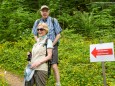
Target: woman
39 58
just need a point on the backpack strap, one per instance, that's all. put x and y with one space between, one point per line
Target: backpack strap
38 21
52 19
49 61
46 41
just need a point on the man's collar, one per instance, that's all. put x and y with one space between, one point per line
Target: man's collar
45 20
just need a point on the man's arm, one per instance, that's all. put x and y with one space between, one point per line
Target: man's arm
56 39
57 31
35 37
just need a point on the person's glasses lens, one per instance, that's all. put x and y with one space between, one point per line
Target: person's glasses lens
40 29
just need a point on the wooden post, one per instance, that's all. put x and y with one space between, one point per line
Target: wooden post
104 75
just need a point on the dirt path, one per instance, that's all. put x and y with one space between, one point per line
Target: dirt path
13 80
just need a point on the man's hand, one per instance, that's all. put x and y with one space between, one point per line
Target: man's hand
56 39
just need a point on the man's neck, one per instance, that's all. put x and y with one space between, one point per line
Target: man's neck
44 19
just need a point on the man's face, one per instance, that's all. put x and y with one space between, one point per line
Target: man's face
45 13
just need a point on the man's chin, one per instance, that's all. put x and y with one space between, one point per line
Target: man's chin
45 17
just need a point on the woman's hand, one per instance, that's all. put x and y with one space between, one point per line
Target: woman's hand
35 64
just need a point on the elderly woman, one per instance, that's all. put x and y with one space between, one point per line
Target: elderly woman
39 58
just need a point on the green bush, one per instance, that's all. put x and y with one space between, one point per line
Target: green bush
3 82
74 64
95 24
15 21
14 54
74 61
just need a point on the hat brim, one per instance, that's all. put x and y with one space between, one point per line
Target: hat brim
45 8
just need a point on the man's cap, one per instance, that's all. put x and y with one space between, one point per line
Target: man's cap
44 7
28 73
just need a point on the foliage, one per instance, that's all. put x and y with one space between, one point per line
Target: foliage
74 64
85 24
95 24
14 23
80 15
3 82
14 54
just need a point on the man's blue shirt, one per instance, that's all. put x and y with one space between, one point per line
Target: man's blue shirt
54 29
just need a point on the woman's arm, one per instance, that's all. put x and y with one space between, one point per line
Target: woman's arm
48 57
45 59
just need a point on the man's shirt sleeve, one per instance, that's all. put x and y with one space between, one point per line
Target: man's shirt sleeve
57 27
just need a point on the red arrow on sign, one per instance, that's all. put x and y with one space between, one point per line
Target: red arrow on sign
100 52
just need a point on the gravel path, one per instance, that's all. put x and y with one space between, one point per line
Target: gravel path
13 80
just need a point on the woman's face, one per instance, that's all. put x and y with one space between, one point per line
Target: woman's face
41 31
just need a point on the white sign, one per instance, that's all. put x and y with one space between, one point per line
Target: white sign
102 52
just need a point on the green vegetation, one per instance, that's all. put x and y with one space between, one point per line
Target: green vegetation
83 23
74 64
3 82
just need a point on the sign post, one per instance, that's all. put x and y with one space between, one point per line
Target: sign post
104 75
101 53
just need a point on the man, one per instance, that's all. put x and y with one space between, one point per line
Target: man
54 35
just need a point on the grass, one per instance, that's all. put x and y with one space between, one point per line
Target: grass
74 60
3 81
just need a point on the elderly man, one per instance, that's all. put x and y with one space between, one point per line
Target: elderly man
53 34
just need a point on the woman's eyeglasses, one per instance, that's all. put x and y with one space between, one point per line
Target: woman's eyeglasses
40 29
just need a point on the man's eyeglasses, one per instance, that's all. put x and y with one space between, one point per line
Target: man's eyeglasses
40 29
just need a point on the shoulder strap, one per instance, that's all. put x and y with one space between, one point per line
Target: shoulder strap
38 21
52 19
49 61
46 41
